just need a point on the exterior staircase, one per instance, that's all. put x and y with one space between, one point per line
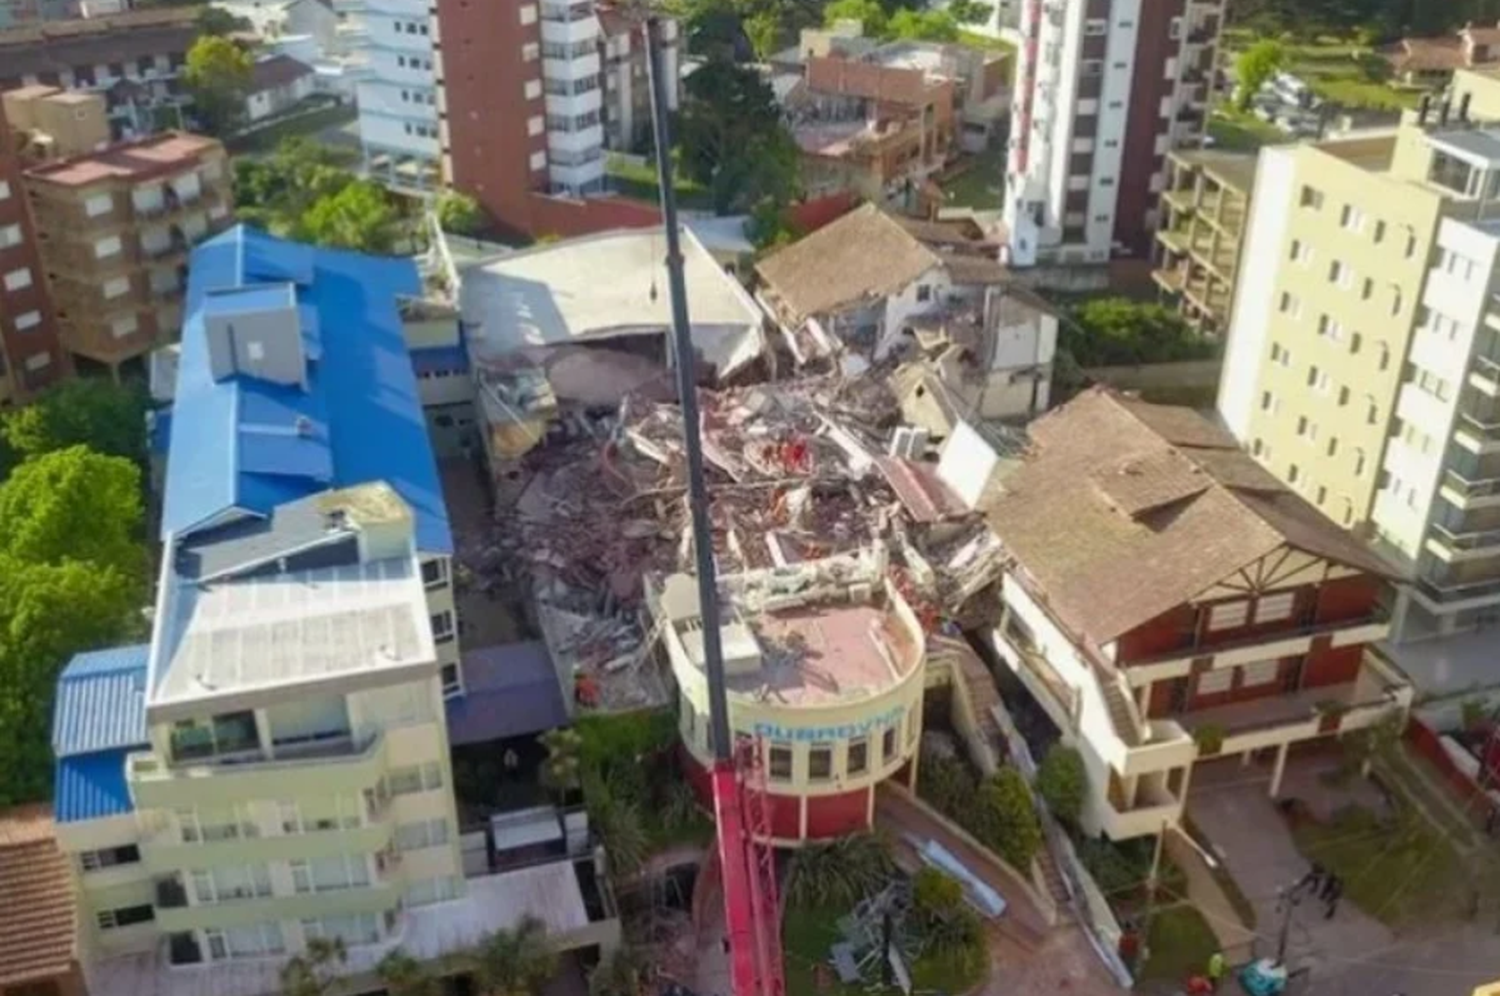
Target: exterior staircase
1121 711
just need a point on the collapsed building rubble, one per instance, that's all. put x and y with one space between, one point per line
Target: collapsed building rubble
798 471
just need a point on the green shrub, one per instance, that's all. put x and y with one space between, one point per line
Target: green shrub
1005 820
1063 783
840 872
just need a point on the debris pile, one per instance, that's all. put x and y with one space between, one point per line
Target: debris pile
797 472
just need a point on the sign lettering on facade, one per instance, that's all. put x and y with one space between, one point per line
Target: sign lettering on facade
825 734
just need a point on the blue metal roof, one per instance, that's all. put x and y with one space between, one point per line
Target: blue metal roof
101 702
361 405
91 787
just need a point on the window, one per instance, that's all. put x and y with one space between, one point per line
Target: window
1355 342
1343 396
18 279
1352 219
442 626
107 247
1329 328
1273 608
1312 198
1094 27
1339 274
4 190
126 916
1379 232
1259 673
1293 472
533 90
116 286
538 161
331 874
1359 463
1227 615
859 757
231 733
1290 305
820 762
1367 289
358 928
451 683
435 572
1395 301
1322 494
426 777
98 204
1091 67
10 235
423 833
231 883
1333 445
924 292
253 941
426 891
530 52
1301 253
1411 244
29 320
1267 401
781 762
888 745
124 325
109 857
1214 682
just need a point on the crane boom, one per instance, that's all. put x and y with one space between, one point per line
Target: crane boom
741 805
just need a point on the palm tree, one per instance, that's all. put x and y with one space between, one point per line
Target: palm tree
404 975
560 771
314 972
515 962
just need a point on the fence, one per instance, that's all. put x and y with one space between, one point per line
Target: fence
1180 375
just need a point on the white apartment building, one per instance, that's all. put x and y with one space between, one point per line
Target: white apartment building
396 88
574 99
1104 88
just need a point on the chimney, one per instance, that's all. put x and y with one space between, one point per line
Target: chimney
1444 110
1463 106
1423 108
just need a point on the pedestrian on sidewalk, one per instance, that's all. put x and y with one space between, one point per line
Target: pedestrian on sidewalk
1333 892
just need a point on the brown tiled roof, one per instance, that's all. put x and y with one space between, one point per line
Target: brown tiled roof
37 925
853 78
278 70
54 46
862 256
966 268
1425 54
1126 510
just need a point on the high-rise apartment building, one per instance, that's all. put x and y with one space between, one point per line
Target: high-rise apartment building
1363 363
522 112
30 355
115 229
1203 215
396 89
1104 89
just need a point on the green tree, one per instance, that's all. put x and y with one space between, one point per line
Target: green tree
869 13
560 771
515 962
926 25
359 217
107 417
314 972
732 139
1118 331
217 76
74 505
218 21
403 975
969 11
1255 66
1005 820
1063 783
763 30
461 214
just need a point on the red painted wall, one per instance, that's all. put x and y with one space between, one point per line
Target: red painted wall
1347 598
1332 665
835 815
1166 633
786 817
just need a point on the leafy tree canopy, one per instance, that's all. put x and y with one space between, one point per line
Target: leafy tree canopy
1063 783
74 505
218 21
217 75
1006 820
1376 20
359 217
461 214
1114 331
107 417
516 962
869 13
1256 65
732 138
926 25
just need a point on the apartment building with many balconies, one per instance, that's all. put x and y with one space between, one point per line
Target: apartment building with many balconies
31 356
396 88
273 766
1197 249
115 228
1363 364
1104 90
626 111
1169 602
522 114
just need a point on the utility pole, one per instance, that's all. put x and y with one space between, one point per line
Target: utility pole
1151 879
687 389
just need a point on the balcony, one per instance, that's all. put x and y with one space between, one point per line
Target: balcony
324 767
1468 486
1292 639
165 850
1468 540
1484 374
1450 593
171 894
1153 808
300 906
1483 436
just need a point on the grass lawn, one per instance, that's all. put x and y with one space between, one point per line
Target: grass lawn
1181 944
639 182
1348 76
1241 131
808 932
309 123
1393 873
982 185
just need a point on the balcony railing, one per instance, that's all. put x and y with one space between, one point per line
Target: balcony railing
1473 539
1489 430
1458 591
1478 487
1486 367
1200 645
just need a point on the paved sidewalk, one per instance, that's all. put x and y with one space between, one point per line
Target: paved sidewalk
1204 891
